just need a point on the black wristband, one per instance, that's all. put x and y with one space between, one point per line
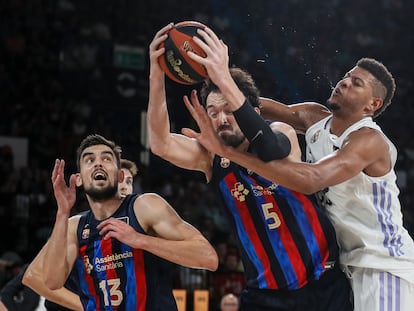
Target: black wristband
269 145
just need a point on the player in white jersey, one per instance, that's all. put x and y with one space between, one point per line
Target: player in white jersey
353 166
366 213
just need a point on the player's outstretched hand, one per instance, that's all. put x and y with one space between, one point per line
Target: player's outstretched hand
207 137
65 195
216 61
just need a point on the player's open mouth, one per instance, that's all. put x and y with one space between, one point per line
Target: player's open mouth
99 175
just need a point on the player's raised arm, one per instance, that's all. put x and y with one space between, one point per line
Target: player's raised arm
176 148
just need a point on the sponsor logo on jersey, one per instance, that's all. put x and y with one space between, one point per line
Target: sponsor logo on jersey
109 262
259 190
239 192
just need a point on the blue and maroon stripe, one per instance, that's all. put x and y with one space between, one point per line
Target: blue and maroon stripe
274 253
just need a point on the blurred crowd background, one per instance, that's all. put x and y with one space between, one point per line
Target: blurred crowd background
69 68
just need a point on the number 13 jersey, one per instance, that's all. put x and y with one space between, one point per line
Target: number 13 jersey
115 276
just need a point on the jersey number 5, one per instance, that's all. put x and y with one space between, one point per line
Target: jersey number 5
268 214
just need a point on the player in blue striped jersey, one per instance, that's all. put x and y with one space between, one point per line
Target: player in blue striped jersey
109 244
287 244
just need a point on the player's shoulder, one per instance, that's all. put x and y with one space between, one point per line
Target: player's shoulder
148 197
368 139
150 201
308 114
74 220
366 132
149 207
281 126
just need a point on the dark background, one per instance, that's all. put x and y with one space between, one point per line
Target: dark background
63 76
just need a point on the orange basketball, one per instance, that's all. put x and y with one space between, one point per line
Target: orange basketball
175 62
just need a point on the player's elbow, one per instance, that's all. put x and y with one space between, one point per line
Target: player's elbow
159 144
28 278
157 148
212 261
32 278
208 258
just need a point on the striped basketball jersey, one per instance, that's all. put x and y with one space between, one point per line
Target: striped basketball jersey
284 240
115 276
364 210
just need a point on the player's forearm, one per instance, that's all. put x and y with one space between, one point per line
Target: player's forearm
195 253
232 93
33 278
55 264
298 176
157 117
62 296
301 115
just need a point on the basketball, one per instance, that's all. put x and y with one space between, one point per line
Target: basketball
175 62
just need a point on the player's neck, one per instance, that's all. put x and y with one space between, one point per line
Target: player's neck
105 209
339 124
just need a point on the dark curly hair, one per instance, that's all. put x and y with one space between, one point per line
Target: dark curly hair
96 139
243 80
385 84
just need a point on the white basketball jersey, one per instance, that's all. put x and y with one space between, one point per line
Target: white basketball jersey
365 210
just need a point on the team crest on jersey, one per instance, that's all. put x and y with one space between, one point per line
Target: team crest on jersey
239 192
224 162
315 136
87 264
85 232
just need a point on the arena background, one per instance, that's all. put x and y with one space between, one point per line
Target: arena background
69 68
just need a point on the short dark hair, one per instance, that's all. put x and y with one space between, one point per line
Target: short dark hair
243 80
130 166
383 76
96 139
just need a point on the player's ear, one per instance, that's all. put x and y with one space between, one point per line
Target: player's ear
121 176
78 180
377 103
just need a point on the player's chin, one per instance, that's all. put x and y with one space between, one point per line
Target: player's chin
332 104
224 136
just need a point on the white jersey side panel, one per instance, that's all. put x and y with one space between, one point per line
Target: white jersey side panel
365 210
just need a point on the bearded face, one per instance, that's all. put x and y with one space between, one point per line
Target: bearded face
230 137
101 193
332 106
99 172
223 120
